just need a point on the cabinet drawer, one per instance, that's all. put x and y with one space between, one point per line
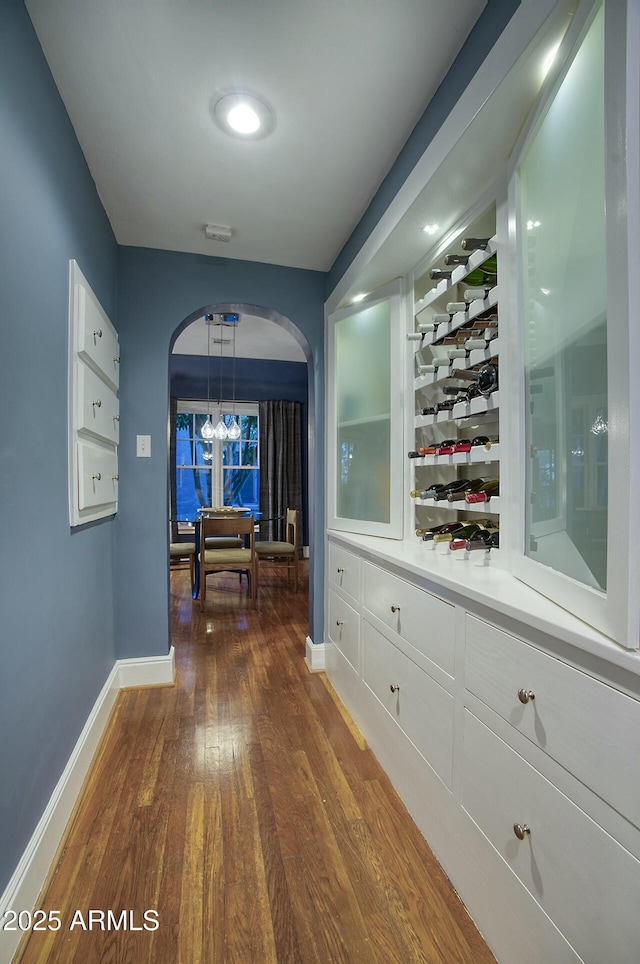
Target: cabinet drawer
420 706
582 878
344 628
587 726
425 621
97 475
344 570
98 406
97 339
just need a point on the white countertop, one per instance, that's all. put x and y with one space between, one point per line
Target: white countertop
493 587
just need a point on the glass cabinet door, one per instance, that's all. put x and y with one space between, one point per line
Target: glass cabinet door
365 417
564 297
571 204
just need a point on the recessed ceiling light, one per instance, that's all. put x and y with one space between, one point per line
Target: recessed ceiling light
356 298
431 228
242 114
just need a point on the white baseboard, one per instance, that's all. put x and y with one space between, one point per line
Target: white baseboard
315 655
27 880
147 671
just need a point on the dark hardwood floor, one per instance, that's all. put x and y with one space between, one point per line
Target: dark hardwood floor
243 806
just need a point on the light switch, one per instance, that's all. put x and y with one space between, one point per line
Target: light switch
143 446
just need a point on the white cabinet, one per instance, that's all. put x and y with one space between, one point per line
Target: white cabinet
422 709
344 629
520 767
344 570
98 406
581 877
423 621
584 724
94 409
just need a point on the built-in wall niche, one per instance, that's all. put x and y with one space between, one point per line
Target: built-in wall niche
94 408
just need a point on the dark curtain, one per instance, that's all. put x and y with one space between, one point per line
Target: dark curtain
280 465
173 511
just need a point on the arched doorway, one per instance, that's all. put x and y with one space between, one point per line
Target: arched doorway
187 379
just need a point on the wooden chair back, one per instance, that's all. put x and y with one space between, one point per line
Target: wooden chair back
228 559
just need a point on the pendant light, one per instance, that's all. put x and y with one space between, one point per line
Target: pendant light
207 429
233 429
220 431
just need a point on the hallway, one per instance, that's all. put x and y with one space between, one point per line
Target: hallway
243 807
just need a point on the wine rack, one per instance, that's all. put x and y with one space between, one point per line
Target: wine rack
468 417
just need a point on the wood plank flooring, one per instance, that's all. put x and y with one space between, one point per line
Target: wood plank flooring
243 806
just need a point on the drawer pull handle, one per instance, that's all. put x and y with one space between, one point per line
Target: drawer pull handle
521 830
117 359
115 478
116 418
394 687
97 476
339 622
97 333
339 571
395 609
525 695
97 403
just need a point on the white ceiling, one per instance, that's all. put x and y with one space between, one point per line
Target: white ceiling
255 338
347 79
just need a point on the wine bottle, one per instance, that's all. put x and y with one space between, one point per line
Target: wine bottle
460 537
484 441
427 533
454 307
430 534
446 533
462 445
456 259
472 485
428 410
424 493
433 488
433 366
491 487
441 494
473 294
438 274
415 336
485 538
486 378
445 406
475 244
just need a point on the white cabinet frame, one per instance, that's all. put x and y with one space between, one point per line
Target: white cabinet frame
94 414
616 612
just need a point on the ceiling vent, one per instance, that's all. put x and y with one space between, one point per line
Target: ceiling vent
217 232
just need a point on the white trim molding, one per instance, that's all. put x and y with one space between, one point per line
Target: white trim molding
27 880
315 655
147 671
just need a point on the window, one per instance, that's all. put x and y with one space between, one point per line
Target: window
216 472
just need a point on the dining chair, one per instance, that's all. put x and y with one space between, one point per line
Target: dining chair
228 558
283 554
182 550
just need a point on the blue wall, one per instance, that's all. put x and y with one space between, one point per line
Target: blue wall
256 380
158 292
56 586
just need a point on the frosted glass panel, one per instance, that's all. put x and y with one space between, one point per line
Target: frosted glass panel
564 279
363 401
